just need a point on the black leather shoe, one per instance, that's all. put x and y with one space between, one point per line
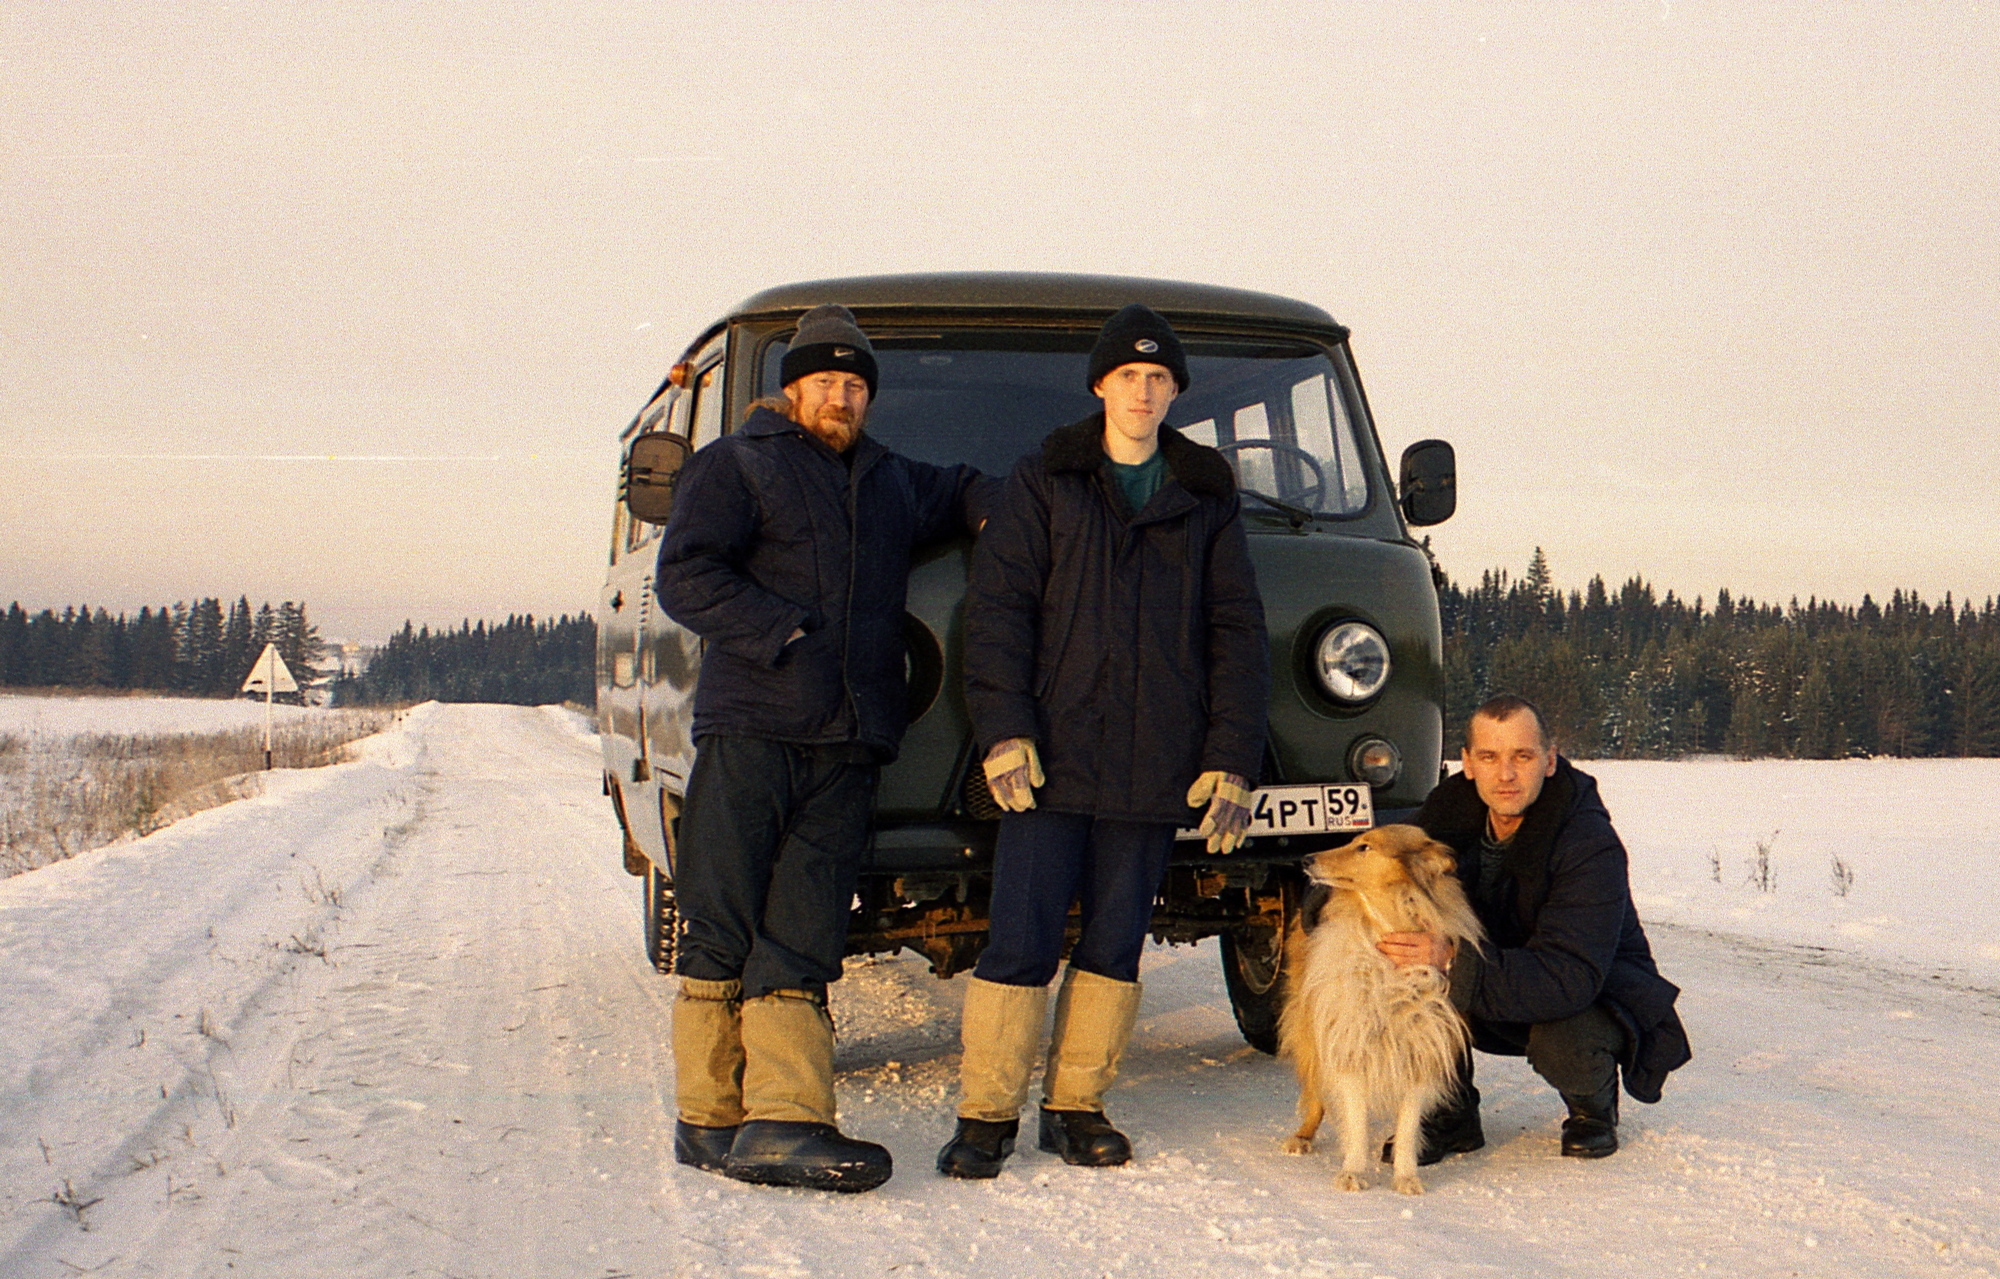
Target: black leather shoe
1591 1131
1585 1137
976 1151
699 1147
1084 1137
775 1152
1455 1130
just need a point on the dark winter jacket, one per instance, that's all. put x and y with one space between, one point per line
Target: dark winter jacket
1130 647
773 531
1568 935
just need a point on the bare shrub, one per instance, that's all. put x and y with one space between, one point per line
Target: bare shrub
1842 875
1762 877
61 796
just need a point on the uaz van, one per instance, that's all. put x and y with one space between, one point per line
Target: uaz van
978 368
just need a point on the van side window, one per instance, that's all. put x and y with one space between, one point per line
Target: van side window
637 532
708 395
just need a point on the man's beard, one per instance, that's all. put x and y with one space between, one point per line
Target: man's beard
835 427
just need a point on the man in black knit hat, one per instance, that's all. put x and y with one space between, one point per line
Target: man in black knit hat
789 554
1117 673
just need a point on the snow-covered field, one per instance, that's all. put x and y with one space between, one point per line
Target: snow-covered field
67 716
1919 838
392 1018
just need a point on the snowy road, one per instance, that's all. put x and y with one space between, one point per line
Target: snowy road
392 1018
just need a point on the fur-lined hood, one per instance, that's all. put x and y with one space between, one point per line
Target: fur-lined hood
1198 468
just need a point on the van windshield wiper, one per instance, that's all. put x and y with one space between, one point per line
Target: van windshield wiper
1299 515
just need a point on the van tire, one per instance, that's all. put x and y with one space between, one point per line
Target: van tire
1253 972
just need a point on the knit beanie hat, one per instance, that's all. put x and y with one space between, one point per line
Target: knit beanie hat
1137 335
828 338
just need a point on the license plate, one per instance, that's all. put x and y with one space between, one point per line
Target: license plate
1306 810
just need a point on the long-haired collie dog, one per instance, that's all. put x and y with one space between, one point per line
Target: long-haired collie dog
1365 1036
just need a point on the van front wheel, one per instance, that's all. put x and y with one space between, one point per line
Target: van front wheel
1253 970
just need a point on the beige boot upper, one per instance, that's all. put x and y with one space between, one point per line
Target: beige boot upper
787 1058
708 1052
1094 1019
1001 1029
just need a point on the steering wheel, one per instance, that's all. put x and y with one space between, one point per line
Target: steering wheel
1310 496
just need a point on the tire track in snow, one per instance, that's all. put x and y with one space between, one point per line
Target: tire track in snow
233 873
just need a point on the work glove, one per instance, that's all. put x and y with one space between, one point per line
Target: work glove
1228 815
1013 770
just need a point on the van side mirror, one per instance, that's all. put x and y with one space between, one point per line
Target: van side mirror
652 470
1429 489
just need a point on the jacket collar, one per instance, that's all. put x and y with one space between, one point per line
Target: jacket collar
1528 853
1461 822
765 422
1080 447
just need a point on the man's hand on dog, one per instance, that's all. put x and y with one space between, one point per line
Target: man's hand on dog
1406 949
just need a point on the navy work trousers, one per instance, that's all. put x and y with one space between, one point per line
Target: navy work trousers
1045 861
771 838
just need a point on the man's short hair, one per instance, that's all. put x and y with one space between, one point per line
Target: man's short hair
1505 707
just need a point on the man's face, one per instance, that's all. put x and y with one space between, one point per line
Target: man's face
1136 397
1507 761
830 404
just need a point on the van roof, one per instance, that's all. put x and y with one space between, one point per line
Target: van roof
1035 291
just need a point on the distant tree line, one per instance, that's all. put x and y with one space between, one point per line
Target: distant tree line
521 660
1633 674
196 648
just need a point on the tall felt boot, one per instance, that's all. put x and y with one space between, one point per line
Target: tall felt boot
708 1070
788 1137
1001 1029
1094 1018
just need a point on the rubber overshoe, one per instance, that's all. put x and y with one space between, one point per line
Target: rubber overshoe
1084 1138
703 1148
816 1156
978 1149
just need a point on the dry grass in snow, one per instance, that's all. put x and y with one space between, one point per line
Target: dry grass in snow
61 795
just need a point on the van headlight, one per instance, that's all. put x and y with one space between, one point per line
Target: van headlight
1352 661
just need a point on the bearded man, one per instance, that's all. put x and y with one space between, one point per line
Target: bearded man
789 554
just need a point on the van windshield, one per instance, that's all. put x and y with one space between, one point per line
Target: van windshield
1278 410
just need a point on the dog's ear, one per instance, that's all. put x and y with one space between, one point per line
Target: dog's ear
1430 862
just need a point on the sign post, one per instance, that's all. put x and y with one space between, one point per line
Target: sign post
269 675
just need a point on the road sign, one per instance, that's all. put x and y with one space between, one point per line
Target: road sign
270 674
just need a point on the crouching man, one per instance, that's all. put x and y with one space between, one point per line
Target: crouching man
1116 669
789 553
1567 979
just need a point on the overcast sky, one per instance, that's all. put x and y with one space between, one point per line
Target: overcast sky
1701 292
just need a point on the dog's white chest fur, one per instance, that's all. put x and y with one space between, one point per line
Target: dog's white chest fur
1393 1027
